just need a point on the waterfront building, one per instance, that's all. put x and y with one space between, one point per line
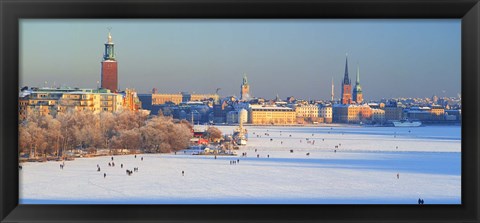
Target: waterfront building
109 73
453 115
51 101
437 113
306 111
393 112
325 112
271 115
232 117
357 91
245 89
346 86
418 113
351 113
378 115
158 99
92 100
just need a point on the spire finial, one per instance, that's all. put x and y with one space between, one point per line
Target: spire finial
109 34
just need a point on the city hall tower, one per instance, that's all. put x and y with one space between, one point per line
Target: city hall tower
109 73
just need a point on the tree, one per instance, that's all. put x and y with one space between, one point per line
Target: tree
213 134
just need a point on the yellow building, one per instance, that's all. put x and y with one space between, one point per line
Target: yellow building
131 101
271 115
96 102
158 99
50 101
351 113
437 112
306 111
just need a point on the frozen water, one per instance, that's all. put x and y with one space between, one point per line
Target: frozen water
363 170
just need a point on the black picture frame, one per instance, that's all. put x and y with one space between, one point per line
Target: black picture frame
13 10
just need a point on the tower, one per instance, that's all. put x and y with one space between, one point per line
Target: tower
357 91
346 85
245 89
333 87
109 67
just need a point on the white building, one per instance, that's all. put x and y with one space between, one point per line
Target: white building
325 112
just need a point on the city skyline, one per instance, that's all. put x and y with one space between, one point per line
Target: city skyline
286 57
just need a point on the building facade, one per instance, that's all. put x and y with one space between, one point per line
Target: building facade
351 113
378 115
271 115
51 101
158 99
393 113
326 113
306 111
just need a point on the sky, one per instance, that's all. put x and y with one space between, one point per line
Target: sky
288 57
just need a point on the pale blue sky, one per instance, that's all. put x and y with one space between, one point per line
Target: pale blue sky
397 58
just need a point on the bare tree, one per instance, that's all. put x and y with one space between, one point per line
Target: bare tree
213 134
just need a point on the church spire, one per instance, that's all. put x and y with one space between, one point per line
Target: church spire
346 80
245 82
358 75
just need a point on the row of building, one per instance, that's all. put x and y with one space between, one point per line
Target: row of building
51 101
210 108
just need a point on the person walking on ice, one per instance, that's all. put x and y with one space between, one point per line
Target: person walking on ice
183 173
398 176
104 175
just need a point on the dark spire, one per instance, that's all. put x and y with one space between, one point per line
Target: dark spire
346 80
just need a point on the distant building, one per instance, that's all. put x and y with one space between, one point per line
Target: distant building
245 90
131 101
351 113
378 116
232 117
393 112
271 115
91 100
158 99
325 112
51 101
306 111
109 73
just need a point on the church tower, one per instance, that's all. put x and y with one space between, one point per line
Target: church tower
109 73
346 86
245 89
357 91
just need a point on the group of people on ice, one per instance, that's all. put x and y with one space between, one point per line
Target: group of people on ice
112 164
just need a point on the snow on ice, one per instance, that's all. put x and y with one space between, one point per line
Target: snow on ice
361 170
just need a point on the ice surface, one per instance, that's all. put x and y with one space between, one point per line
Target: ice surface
363 170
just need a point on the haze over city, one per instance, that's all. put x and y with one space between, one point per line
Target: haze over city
397 58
